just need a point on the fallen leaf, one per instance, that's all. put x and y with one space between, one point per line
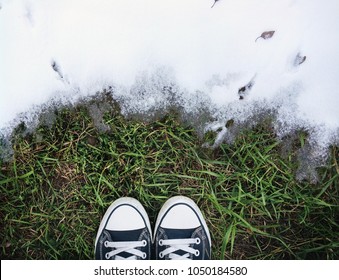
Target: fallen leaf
299 59
245 89
266 35
56 68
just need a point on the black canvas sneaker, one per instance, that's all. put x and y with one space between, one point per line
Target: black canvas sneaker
124 232
181 231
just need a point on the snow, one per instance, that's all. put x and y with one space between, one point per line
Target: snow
205 53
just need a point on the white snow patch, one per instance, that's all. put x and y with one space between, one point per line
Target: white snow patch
64 50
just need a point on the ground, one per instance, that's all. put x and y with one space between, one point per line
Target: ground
63 177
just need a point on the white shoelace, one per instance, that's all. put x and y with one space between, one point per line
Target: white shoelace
179 244
126 246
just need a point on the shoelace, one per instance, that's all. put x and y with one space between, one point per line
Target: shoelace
126 246
179 244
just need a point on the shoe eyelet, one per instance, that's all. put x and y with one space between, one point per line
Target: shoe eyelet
161 242
197 253
161 255
106 244
144 256
197 241
144 243
107 256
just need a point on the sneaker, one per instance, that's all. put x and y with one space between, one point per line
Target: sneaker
181 231
124 232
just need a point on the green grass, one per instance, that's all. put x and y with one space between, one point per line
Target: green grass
63 178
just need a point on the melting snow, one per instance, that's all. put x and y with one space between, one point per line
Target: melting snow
239 58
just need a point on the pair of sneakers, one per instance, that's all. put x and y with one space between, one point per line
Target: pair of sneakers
180 232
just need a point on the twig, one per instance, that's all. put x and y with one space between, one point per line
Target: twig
215 1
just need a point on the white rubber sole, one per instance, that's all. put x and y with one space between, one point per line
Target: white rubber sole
182 200
120 201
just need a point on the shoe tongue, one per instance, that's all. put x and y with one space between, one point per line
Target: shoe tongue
125 235
179 233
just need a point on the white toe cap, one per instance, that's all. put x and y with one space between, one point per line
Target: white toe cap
180 216
125 217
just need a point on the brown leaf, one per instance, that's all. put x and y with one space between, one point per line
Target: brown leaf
266 35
